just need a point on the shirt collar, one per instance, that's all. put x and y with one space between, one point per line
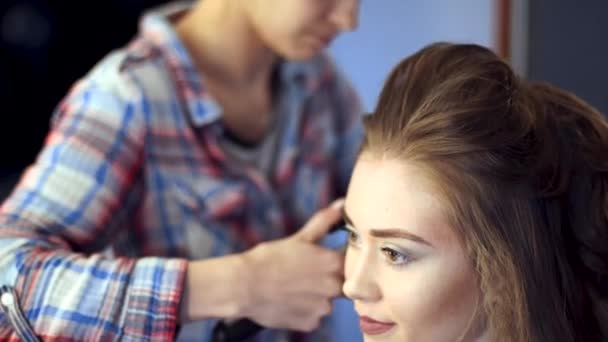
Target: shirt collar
156 28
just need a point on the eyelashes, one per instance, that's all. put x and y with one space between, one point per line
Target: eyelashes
392 256
395 258
353 237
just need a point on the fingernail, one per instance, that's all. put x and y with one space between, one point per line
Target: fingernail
338 204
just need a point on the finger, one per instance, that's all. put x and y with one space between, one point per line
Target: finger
307 318
321 223
325 281
330 287
288 313
329 260
319 260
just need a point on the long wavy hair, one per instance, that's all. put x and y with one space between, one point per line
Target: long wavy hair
523 170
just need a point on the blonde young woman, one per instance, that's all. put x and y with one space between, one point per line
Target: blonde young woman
478 207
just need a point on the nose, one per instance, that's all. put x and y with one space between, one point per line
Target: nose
346 15
360 283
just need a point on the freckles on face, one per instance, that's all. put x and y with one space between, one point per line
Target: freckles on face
405 263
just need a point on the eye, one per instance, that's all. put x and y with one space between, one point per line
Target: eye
394 257
353 237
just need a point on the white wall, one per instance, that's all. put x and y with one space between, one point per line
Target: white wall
389 30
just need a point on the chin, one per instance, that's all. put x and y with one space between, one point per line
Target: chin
301 55
383 338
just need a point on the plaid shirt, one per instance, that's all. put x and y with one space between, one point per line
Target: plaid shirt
131 183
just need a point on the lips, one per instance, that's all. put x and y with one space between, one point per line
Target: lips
326 40
324 37
372 327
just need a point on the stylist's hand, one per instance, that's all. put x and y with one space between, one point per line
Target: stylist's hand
292 281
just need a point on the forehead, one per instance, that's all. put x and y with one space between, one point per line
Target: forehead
389 193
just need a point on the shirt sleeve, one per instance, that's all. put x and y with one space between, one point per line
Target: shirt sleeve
62 208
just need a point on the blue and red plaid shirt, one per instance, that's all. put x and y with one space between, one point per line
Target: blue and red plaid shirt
132 183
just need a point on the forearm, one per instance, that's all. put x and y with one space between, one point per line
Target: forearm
67 295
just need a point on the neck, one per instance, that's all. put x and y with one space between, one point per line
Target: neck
224 45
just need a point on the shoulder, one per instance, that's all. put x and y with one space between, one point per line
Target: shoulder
123 72
112 89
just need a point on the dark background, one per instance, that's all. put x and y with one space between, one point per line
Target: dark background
44 47
568 46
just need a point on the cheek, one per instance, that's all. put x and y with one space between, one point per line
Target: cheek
305 21
435 297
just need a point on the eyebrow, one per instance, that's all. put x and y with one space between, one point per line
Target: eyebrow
390 233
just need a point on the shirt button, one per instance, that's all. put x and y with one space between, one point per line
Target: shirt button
7 299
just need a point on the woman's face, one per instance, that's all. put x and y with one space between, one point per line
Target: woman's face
406 271
300 29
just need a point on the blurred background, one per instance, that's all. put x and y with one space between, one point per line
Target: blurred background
47 45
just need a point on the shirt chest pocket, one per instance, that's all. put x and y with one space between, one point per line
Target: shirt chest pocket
221 216
209 211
